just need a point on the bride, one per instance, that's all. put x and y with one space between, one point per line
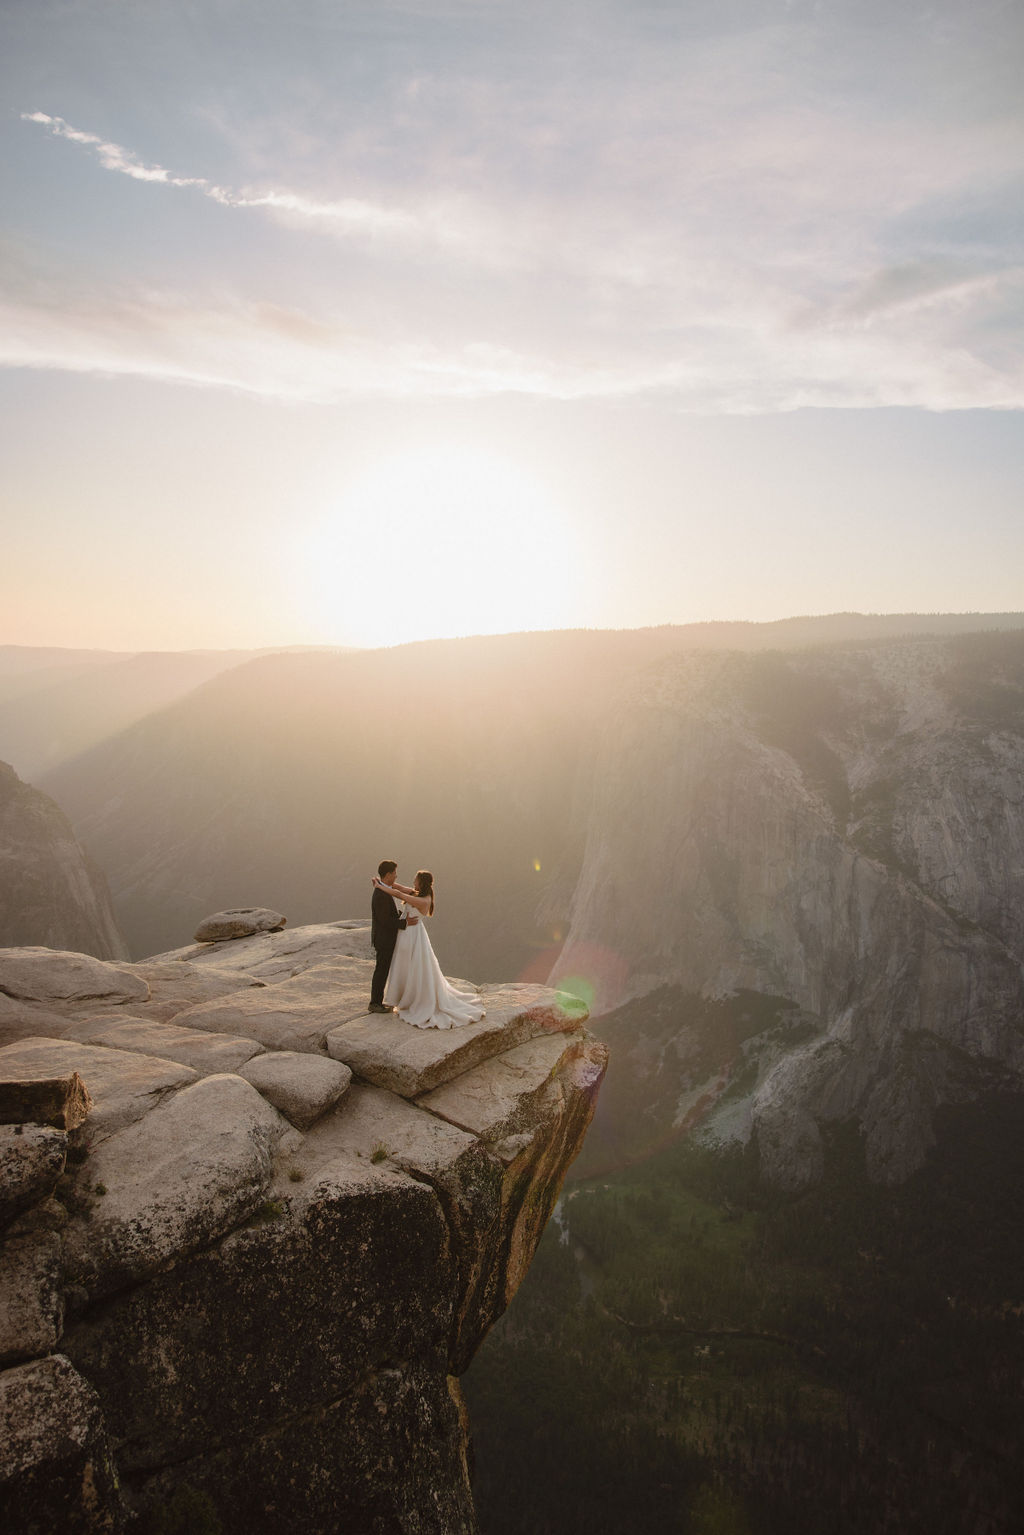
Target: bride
416 988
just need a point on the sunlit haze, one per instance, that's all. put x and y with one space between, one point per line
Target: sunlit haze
460 543
369 322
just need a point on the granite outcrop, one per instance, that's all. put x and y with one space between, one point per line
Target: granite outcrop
841 829
50 891
239 1292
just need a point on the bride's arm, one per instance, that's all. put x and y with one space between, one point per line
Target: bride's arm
421 902
395 889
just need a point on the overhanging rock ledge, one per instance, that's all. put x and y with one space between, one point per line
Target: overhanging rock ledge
240 1293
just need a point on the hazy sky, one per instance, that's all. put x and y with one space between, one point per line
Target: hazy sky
352 322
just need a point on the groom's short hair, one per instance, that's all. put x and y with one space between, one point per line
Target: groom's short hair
387 867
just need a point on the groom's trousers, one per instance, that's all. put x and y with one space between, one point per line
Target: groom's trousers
385 949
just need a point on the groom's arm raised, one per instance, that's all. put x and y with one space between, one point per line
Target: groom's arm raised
379 888
395 889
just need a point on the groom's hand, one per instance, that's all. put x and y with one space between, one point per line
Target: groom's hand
412 921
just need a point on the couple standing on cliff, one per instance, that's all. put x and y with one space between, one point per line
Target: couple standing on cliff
406 965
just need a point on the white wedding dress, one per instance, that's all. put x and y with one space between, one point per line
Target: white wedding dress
417 988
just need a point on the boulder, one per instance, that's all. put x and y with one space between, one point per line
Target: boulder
207 1054
56 1469
239 922
123 1086
31 1160
392 1054
301 1086
56 975
32 1315
61 1101
187 1173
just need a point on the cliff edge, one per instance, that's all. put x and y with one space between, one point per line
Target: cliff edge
252 1235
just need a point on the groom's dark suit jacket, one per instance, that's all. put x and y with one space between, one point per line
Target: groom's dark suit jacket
385 921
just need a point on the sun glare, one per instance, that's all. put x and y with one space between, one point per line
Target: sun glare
442 543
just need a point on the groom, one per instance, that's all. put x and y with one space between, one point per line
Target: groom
384 930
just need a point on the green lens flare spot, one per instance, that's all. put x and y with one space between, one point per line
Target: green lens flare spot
576 995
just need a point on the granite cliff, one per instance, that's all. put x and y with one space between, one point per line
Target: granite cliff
50 891
840 830
252 1235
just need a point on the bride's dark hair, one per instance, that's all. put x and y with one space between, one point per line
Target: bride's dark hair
425 886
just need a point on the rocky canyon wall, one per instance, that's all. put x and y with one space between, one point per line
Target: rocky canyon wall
252 1235
840 828
50 892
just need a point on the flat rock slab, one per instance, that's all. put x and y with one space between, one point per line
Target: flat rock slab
501 1097
123 1086
303 1087
53 1450
55 975
389 1053
31 1160
239 922
384 1128
275 957
193 1169
175 985
293 1015
207 1054
61 1101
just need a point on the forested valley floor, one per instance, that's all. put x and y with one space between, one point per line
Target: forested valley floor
692 1354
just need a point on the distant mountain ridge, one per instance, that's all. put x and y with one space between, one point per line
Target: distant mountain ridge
55 704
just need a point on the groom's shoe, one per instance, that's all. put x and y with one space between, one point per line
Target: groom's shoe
378 1007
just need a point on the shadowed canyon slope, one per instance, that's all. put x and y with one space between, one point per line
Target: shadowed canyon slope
837 827
50 893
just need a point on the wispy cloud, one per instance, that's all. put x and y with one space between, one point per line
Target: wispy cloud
348 213
279 351
113 157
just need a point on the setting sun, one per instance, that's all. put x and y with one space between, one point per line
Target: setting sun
441 543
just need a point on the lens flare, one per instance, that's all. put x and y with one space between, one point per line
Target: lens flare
576 995
594 976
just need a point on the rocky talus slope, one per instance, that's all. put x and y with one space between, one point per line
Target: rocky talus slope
841 829
252 1234
50 892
